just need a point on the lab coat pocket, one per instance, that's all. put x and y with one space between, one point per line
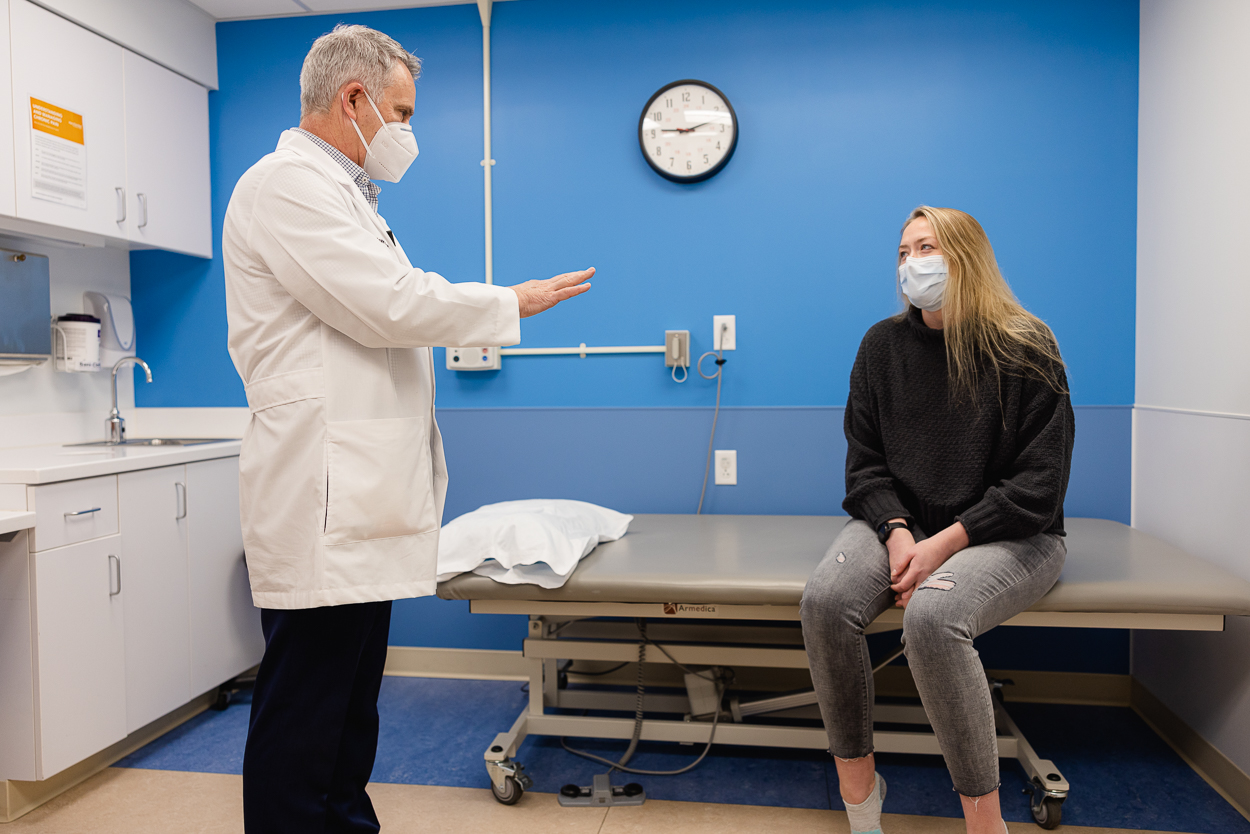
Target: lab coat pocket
379 482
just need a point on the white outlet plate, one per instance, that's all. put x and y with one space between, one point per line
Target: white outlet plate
729 339
473 359
726 464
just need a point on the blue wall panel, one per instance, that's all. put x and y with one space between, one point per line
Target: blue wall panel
851 113
790 462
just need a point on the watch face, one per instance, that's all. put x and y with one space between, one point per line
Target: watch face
688 131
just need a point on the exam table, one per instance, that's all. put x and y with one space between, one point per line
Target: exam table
723 591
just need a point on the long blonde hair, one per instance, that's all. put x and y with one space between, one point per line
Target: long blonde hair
982 319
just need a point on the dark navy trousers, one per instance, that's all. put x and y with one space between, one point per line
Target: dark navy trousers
313 732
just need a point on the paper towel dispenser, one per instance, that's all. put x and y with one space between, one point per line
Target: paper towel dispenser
25 309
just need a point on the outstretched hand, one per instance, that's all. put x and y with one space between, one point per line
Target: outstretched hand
535 296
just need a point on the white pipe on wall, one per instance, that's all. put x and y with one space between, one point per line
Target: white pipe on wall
484 9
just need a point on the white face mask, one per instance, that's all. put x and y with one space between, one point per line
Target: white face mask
392 150
923 281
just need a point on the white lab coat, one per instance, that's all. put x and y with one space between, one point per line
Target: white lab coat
342 475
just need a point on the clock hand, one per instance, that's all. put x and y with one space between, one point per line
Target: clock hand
682 129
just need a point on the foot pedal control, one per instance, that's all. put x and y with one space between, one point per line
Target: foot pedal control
602 794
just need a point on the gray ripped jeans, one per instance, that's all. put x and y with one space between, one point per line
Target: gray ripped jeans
975 590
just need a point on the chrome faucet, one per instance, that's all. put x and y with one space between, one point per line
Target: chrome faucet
115 426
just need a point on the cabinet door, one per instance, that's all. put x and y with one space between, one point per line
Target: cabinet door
7 204
225 627
80 655
167 159
67 82
152 505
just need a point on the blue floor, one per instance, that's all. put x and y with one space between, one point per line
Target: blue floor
434 732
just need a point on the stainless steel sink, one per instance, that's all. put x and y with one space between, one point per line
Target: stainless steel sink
156 441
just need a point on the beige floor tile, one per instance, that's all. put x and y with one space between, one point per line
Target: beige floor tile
126 801
703 818
422 808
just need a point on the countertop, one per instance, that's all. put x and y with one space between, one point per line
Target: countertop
47 464
13 521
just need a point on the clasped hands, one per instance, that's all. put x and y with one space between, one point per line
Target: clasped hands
912 562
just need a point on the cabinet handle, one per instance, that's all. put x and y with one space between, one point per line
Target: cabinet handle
83 512
113 559
180 490
143 204
121 204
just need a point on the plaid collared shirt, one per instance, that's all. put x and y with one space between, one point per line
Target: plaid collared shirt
358 175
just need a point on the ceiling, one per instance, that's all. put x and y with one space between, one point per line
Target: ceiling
237 9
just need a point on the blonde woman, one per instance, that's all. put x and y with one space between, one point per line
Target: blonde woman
959 442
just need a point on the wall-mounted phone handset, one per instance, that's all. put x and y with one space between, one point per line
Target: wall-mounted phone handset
677 352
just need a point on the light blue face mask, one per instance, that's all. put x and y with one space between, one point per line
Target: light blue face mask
923 281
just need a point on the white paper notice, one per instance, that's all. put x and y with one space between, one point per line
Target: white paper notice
58 155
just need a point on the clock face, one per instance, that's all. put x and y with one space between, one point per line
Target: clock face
688 131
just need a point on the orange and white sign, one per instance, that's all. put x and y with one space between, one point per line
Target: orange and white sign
56 120
58 155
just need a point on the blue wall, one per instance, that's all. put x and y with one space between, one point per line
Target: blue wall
851 113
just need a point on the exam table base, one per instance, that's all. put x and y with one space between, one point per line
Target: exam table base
545 648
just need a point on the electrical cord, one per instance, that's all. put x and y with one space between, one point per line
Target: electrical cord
615 668
720 368
620 764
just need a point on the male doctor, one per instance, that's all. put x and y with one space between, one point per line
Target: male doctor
342 475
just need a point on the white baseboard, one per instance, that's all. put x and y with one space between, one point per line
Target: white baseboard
1219 771
467 664
18 798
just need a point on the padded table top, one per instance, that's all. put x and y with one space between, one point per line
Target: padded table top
766 559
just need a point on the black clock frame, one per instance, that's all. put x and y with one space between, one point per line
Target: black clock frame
715 169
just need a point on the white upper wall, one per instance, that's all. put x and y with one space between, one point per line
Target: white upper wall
41 405
1193 270
1193 339
174 33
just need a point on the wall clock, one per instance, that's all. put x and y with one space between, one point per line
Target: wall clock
688 131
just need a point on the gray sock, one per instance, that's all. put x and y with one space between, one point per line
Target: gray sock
865 817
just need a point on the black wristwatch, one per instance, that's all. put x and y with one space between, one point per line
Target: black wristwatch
883 532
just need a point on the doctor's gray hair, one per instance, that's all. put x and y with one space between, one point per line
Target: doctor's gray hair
350 53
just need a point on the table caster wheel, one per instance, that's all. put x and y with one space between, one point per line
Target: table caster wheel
511 792
221 701
1048 813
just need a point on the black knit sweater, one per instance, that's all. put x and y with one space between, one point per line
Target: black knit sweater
916 452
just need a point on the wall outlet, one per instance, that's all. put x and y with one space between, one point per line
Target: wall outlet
726 464
724 333
677 348
473 359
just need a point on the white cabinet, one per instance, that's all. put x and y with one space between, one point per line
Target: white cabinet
107 626
152 511
7 196
225 627
71 80
102 140
190 622
167 171
80 677
72 511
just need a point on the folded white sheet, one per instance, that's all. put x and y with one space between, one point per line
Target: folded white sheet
537 541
